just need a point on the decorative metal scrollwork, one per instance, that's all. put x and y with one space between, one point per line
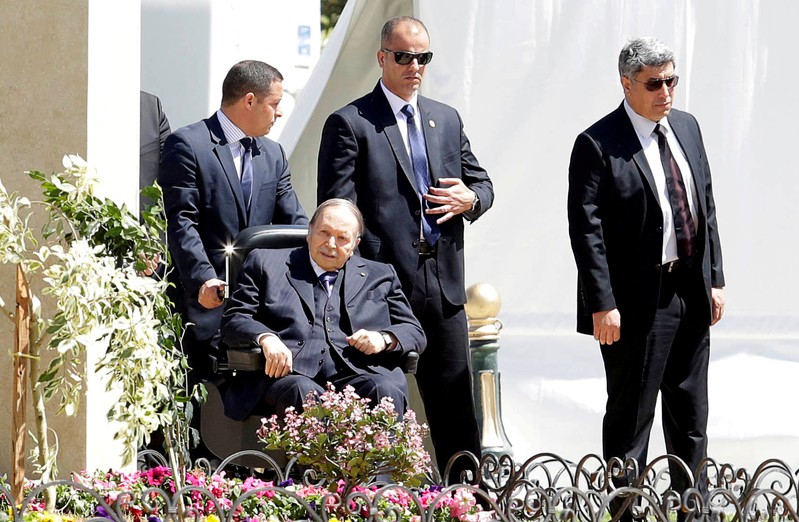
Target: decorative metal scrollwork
545 487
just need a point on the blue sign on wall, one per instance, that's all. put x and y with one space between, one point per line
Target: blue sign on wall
304 40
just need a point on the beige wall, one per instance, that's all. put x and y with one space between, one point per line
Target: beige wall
43 110
57 98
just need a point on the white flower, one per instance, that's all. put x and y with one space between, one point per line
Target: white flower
70 161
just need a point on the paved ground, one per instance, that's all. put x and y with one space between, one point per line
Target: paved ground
553 398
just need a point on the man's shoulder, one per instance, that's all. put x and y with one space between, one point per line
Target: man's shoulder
364 104
375 267
267 260
682 118
193 132
270 145
199 126
430 104
679 114
609 123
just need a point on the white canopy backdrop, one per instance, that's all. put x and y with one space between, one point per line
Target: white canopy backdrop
527 76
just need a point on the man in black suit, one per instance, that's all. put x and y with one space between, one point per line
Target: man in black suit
153 131
642 222
220 176
406 162
320 314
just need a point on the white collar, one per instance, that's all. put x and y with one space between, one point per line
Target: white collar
318 270
644 127
232 133
398 103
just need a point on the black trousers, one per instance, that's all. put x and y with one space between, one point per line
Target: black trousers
671 358
291 390
444 374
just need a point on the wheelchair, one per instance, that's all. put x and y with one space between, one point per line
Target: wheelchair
222 435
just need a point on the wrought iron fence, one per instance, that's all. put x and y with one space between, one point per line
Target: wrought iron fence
545 487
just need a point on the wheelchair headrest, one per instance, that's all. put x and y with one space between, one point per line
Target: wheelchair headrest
264 236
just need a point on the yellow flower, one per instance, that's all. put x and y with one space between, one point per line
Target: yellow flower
212 518
42 516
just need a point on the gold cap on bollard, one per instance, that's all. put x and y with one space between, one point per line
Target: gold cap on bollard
482 308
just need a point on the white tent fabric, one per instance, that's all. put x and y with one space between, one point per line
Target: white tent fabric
527 76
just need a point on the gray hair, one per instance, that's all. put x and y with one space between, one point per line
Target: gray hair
391 24
338 202
638 53
248 76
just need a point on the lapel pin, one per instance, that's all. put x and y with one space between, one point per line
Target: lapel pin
431 123
363 274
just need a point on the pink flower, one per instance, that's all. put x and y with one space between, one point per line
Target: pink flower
462 504
254 483
156 476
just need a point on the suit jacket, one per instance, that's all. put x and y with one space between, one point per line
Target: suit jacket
275 294
362 157
205 208
616 224
153 131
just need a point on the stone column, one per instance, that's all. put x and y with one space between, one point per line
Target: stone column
70 85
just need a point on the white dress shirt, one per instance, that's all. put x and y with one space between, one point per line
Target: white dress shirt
645 130
232 134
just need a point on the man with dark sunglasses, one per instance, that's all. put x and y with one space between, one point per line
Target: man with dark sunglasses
642 222
406 162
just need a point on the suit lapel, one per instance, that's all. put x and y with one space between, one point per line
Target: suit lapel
354 277
302 277
431 137
225 157
388 122
259 174
630 139
643 165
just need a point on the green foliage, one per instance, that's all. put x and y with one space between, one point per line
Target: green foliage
81 214
331 10
89 259
342 437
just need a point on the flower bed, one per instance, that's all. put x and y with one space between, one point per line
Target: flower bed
150 496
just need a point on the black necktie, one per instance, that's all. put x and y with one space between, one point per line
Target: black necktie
328 279
684 226
246 169
422 174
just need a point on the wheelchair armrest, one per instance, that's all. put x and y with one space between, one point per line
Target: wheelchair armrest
410 363
244 360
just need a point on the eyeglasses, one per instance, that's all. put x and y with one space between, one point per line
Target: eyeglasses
655 84
404 57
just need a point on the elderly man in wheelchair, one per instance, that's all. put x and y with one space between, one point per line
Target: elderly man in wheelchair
302 317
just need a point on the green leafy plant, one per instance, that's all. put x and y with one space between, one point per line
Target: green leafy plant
88 258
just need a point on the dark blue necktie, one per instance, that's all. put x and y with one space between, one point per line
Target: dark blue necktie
246 169
422 174
328 279
684 226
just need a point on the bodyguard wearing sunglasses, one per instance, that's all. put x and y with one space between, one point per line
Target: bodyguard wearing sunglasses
406 162
642 223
